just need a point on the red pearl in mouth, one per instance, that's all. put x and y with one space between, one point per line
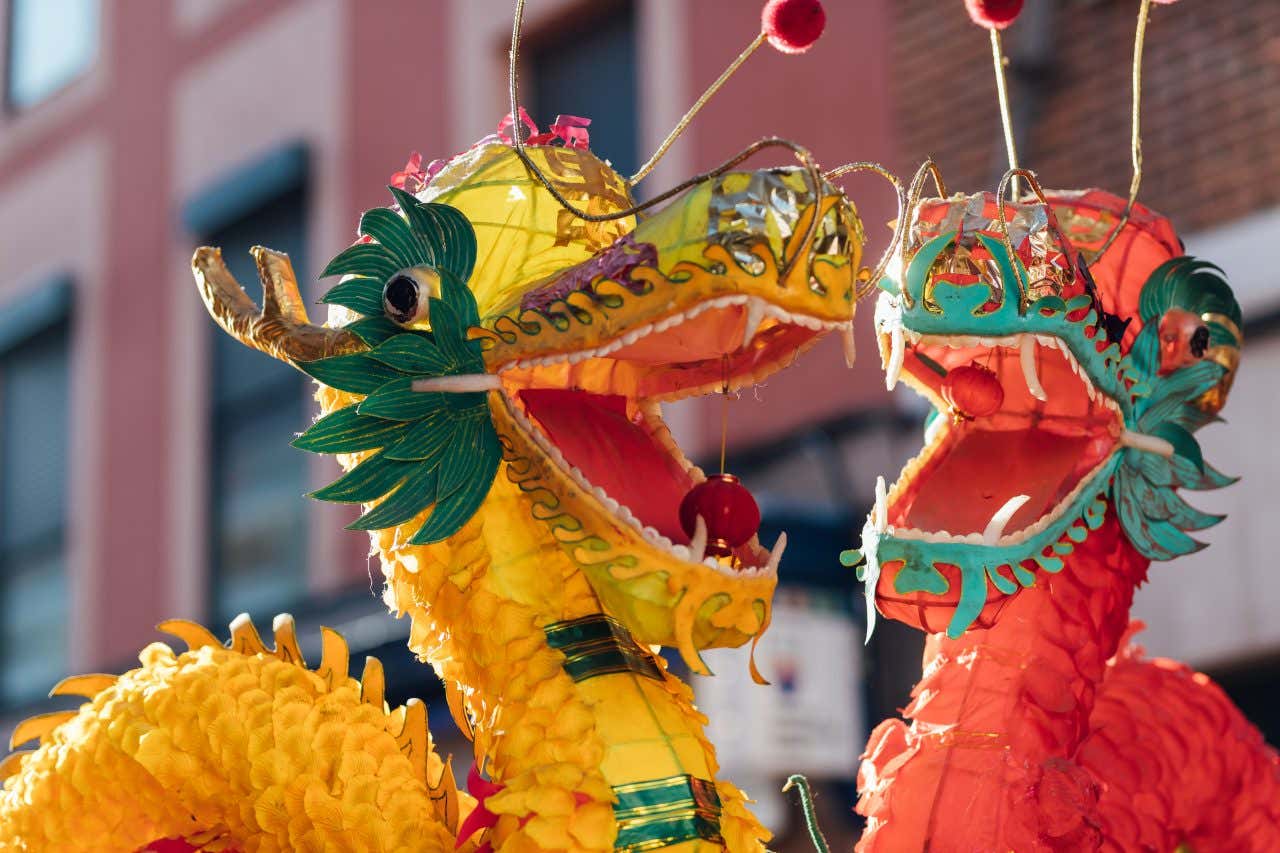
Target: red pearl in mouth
727 508
973 391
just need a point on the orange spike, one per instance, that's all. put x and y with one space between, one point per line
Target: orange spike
195 635
88 685
39 726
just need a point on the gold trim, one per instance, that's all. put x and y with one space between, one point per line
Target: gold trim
1226 322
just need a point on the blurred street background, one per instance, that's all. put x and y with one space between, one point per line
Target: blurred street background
145 471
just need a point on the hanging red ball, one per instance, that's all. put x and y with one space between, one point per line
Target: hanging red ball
792 26
727 508
973 391
993 14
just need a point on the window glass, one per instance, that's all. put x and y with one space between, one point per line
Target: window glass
589 70
51 42
258 517
34 411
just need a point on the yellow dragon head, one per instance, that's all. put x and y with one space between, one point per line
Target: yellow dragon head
499 346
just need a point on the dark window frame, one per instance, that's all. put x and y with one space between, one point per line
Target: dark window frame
47 309
560 33
280 175
7 72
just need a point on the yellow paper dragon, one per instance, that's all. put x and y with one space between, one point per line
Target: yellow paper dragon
490 378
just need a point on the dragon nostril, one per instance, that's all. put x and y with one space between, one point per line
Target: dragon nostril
1199 341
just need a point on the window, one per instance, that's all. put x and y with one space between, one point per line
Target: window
34 426
51 43
589 69
258 519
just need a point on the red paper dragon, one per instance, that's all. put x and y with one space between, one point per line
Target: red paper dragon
1071 350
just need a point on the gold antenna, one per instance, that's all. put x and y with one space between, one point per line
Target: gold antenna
517 141
697 106
1135 123
791 26
1002 95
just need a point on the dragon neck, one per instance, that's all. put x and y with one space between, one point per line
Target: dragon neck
1053 639
1011 703
567 712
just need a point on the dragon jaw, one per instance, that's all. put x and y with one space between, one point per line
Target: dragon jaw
588 426
1000 493
597 413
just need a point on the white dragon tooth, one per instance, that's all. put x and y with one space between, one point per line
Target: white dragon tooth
712 562
1027 356
897 352
1149 443
996 526
881 511
698 544
775 555
680 552
850 347
755 316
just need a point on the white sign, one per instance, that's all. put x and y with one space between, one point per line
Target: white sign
809 719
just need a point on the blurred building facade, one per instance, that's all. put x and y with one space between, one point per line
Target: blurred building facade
145 468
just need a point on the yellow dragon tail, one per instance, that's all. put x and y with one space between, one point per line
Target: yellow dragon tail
235 747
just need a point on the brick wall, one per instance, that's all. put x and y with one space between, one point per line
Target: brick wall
1211 100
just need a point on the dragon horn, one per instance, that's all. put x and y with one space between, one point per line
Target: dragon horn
281 328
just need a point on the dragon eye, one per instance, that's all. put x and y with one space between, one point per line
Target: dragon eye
406 296
1199 341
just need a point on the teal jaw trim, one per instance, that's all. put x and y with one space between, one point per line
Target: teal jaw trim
962 315
979 564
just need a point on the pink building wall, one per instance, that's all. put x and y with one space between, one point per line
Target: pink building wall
183 93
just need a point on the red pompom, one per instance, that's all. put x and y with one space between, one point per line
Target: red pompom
793 25
727 508
993 14
973 391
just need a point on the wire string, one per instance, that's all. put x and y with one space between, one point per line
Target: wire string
1002 95
865 289
517 138
1135 125
697 106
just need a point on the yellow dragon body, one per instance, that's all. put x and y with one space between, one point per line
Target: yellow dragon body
532 543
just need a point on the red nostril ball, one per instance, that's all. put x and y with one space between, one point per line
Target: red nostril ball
728 509
993 14
973 391
792 26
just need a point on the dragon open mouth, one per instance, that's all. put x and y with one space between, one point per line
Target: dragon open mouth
1003 477
596 412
